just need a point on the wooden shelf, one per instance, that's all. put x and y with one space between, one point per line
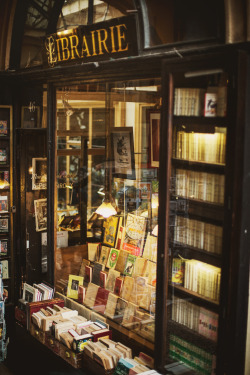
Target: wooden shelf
211 304
197 208
201 121
190 252
199 166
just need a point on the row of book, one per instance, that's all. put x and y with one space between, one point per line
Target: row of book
201 147
200 102
112 355
198 234
37 292
199 277
208 187
198 359
196 318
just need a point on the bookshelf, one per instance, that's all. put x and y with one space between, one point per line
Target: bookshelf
197 194
6 191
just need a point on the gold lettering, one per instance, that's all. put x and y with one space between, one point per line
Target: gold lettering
73 46
86 49
121 35
102 41
58 50
65 49
112 39
93 43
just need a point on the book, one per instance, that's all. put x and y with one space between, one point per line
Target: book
81 293
129 314
104 255
91 295
73 286
120 309
122 259
120 237
103 279
93 251
5 269
130 263
123 367
111 305
3 156
3 247
134 234
88 274
118 286
140 266
139 290
101 300
111 226
102 333
29 293
150 273
84 263
97 268
113 257
3 203
112 275
150 248
127 287
4 180
3 128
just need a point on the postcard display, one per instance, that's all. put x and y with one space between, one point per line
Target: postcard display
196 218
5 196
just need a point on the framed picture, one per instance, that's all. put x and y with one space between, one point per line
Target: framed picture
122 148
3 247
40 214
30 117
154 143
39 173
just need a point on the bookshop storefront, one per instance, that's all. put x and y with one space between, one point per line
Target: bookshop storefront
128 199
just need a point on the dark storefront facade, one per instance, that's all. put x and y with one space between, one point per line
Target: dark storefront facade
126 151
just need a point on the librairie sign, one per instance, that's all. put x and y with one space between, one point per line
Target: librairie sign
111 39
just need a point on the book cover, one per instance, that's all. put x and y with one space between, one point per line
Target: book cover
120 237
73 286
97 268
88 274
101 300
103 279
134 234
110 231
210 104
112 275
81 293
150 273
3 156
3 247
140 266
104 255
130 263
178 267
129 314
122 367
140 288
112 259
127 287
102 334
120 309
93 251
4 180
118 286
111 305
91 295
122 259
3 128
5 269
3 203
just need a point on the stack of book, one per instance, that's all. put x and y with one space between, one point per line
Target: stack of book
199 234
207 148
197 318
198 359
203 186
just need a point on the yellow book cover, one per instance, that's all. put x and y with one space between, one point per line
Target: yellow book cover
73 286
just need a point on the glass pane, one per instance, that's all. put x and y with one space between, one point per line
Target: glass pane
114 162
196 221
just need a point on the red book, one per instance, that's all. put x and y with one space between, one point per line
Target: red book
81 293
101 300
103 278
118 286
102 333
88 274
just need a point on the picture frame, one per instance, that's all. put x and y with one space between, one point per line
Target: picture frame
4 155
3 128
122 148
40 206
39 173
4 225
154 118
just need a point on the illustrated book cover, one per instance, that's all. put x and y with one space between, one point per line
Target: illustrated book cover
111 226
113 258
134 234
73 286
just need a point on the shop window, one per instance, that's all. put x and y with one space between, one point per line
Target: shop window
112 165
